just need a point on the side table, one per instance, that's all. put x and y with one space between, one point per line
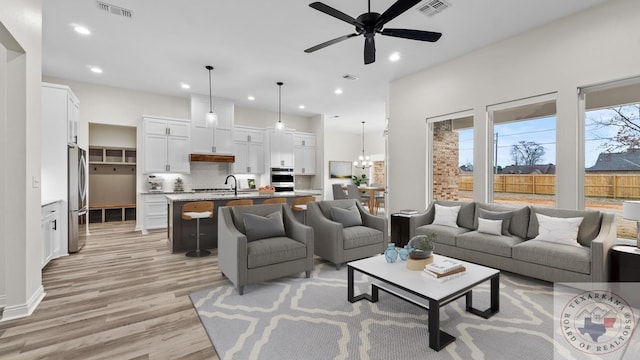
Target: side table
401 225
625 264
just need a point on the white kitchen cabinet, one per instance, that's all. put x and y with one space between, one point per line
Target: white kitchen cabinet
54 138
280 145
51 234
154 212
248 150
206 140
73 113
165 145
60 102
304 154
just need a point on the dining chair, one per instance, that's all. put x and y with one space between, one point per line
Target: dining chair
338 193
354 193
380 197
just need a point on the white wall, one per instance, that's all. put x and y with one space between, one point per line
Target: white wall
267 119
112 135
559 57
338 146
101 104
21 34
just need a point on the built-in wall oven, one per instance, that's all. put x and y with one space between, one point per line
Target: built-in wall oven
282 179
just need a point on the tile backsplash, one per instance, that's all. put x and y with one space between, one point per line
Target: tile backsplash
212 175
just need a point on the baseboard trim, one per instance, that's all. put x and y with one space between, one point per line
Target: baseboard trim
24 310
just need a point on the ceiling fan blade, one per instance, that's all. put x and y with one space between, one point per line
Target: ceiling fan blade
330 42
413 34
369 49
336 14
394 10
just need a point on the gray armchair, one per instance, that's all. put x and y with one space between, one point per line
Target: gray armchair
344 233
262 242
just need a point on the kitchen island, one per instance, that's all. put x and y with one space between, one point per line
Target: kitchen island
181 233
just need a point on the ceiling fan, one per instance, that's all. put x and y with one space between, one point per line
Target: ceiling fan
370 23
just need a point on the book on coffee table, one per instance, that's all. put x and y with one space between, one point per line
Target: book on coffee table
449 273
444 266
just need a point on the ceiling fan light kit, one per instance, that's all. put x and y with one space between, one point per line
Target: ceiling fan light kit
211 119
370 23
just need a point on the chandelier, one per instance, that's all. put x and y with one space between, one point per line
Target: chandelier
363 161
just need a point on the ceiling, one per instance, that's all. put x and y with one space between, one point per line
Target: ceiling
252 44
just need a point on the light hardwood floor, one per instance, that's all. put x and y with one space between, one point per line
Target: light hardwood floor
123 296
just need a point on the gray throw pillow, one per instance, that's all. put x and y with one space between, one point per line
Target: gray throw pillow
498 215
347 217
263 227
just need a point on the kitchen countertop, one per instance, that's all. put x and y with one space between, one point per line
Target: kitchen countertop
230 196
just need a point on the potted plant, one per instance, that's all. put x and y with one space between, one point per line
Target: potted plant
362 180
422 246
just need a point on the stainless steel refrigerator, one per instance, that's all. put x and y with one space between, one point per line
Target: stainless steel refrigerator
77 198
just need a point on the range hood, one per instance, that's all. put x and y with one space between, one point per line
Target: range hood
212 158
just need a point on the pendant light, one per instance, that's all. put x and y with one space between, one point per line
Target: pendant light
363 161
279 124
211 119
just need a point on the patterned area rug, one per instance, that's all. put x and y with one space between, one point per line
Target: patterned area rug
299 318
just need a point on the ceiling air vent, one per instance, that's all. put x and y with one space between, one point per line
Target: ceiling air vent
432 7
116 10
350 77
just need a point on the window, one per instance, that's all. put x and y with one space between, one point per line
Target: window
524 151
612 149
451 154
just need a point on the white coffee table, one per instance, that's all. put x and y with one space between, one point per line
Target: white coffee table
420 289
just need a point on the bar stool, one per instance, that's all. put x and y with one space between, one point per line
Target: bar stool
275 201
197 210
300 205
239 202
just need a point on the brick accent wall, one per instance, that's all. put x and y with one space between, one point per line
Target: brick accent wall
445 161
378 173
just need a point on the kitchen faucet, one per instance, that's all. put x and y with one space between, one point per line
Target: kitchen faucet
235 189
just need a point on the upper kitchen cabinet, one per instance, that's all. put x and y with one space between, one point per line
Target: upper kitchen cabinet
206 140
304 153
248 149
165 145
64 102
280 148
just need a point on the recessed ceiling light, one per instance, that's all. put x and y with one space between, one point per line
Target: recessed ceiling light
251 97
338 91
95 69
394 56
185 86
82 30
301 107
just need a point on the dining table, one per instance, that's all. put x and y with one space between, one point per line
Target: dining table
371 190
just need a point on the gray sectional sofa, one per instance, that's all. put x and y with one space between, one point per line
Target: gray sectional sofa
516 252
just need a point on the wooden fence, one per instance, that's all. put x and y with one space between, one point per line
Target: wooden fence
595 185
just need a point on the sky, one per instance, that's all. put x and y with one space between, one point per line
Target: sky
541 131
